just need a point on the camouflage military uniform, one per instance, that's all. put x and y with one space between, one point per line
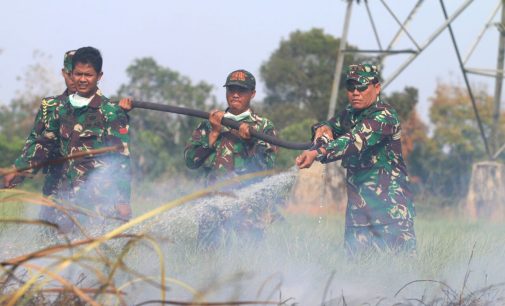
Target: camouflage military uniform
37 149
231 155
380 209
98 182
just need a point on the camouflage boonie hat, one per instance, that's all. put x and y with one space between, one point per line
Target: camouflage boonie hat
67 61
242 78
362 73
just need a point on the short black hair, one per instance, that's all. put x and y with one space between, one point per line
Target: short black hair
88 55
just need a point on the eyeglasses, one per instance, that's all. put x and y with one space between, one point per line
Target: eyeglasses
351 87
235 88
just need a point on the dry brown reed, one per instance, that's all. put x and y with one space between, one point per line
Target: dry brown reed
23 282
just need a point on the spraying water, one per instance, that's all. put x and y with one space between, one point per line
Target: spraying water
298 260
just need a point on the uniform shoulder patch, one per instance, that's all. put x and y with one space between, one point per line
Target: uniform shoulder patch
50 98
50 101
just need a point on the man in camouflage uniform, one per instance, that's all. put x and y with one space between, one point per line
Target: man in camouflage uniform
224 153
83 121
366 138
88 121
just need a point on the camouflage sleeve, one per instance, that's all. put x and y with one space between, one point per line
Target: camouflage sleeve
369 132
197 149
264 153
118 134
37 148
333 123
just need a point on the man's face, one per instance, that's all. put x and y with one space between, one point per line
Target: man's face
67 76
85 79
238 98
360 100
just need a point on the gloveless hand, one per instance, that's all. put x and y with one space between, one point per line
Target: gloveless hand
8 179
215 118
244 131
323 130
126 104
306 159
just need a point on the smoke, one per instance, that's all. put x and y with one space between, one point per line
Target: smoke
303 259
88 206
300 259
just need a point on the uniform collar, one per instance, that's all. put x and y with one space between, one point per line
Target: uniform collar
96 101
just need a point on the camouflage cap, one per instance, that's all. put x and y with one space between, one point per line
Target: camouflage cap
242 78
67 61
362 73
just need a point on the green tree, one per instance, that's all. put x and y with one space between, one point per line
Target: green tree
444 162
299 74
297 132
17 117
16 120
404 102
455 124
158 138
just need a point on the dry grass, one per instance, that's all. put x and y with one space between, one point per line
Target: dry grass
301 253
23 282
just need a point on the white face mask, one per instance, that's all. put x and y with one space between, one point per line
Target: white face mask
238 117
78 101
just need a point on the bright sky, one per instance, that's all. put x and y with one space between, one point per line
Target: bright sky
205 40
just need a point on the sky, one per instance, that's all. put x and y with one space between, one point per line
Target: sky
205 40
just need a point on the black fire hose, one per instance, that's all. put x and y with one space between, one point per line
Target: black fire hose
226 121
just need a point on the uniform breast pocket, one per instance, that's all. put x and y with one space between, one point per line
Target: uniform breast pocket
368 160
359 162
65 131
91 138
66 128
350 161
